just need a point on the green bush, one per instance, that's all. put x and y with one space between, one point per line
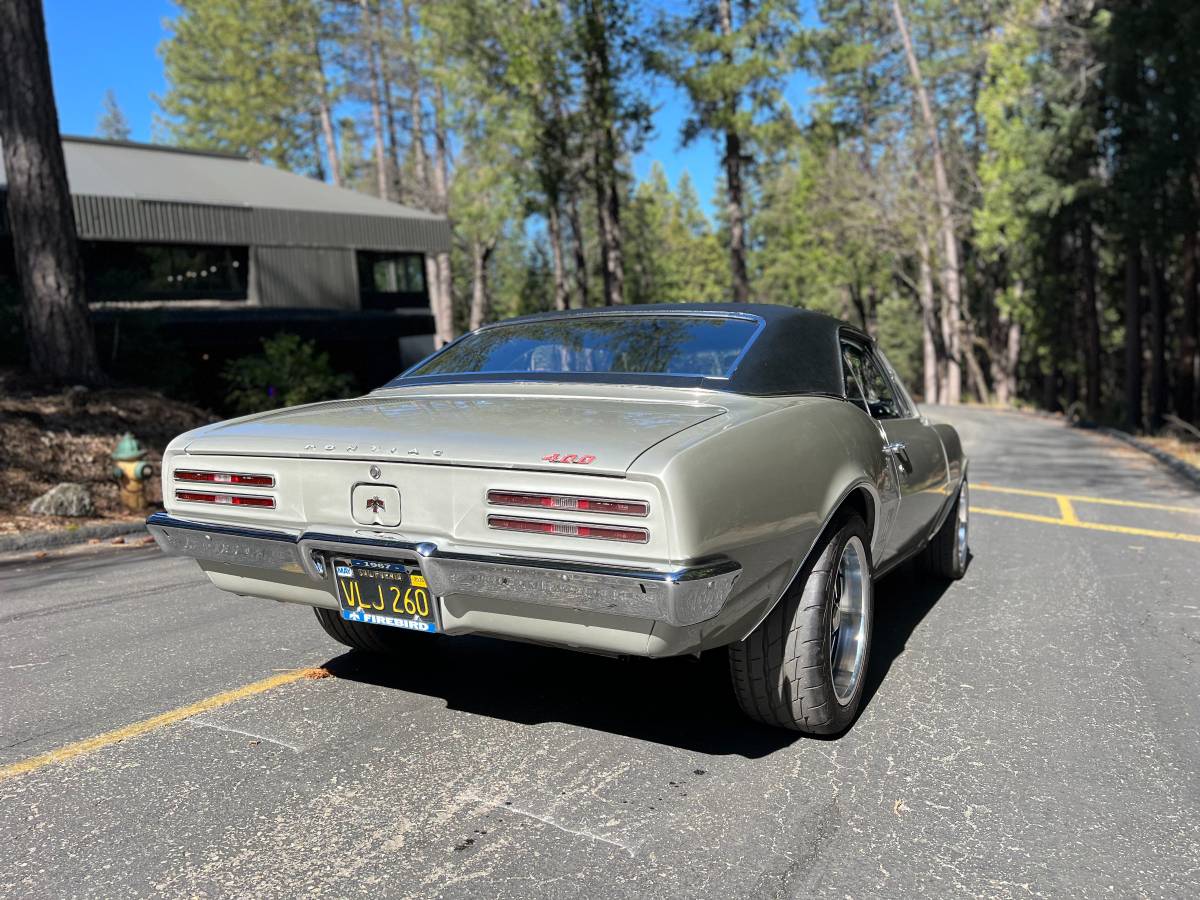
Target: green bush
288 371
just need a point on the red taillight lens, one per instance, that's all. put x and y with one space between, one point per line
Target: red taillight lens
570 529
226 499
226 478
569 502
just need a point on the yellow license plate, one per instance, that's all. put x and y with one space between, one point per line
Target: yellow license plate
381 592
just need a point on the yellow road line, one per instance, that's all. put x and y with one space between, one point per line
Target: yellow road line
1134 504
1090 526
1067 511
71 751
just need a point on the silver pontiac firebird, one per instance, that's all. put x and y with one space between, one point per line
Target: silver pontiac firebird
645 481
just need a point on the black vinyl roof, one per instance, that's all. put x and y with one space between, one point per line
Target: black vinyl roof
794 351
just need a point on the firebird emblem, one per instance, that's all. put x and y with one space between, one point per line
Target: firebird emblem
375 504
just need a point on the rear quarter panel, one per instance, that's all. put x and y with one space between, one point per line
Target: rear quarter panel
758 486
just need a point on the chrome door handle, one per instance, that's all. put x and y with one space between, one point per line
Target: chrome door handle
897 450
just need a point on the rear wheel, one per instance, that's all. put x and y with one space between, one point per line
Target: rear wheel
804 667
363 636
949 551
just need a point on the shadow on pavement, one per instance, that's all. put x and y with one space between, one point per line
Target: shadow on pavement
681 702
902 600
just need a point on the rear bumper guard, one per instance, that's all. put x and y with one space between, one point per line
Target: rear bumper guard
679 597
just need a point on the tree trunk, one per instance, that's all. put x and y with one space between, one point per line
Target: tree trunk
1091 323
554 225
1158 343
1189 357
608 211
929 358
314 131
598 78
974 370
421 189
734 189
40 218
950 275
480 298
395 187
326 116
579 250
441 296
1133 337
1004 363
368 37
441 301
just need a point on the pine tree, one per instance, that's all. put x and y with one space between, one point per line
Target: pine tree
731 61
241 78
113 125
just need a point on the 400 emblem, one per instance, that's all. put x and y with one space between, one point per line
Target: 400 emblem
573 458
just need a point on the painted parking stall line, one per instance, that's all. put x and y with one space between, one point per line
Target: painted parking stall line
1069 517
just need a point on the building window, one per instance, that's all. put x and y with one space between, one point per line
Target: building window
391 280
119 271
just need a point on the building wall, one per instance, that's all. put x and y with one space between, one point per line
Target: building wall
305 277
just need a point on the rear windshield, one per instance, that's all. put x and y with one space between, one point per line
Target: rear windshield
696 346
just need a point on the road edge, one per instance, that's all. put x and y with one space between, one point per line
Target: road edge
49 540
1183 469
1174 463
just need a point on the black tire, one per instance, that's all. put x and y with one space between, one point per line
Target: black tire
363 636
945 557
783 672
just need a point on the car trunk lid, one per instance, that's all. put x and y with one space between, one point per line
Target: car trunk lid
593 434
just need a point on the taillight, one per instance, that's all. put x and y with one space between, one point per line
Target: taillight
226 499
570 529
570 502
225 478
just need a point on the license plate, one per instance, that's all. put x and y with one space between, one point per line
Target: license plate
380 592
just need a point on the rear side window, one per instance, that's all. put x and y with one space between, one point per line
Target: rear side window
867 386
693 346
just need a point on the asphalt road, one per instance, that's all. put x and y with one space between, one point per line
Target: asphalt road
1033 730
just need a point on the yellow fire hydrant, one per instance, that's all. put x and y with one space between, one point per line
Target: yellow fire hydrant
130 470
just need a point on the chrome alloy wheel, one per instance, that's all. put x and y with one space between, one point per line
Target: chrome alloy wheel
848 620
963 513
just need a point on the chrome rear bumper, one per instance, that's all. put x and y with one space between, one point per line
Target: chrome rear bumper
679 597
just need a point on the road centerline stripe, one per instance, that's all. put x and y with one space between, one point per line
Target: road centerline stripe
136 729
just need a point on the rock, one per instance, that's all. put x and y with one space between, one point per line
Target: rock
75 398
66 499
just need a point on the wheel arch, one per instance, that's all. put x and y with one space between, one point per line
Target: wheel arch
861 498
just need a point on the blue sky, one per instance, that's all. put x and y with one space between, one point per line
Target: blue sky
100 44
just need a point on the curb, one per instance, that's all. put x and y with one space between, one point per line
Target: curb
48 540
1174 463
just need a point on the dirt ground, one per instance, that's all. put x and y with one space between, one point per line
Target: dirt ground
49 436
1186 449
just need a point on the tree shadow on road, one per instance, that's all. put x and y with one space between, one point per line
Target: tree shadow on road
681 702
